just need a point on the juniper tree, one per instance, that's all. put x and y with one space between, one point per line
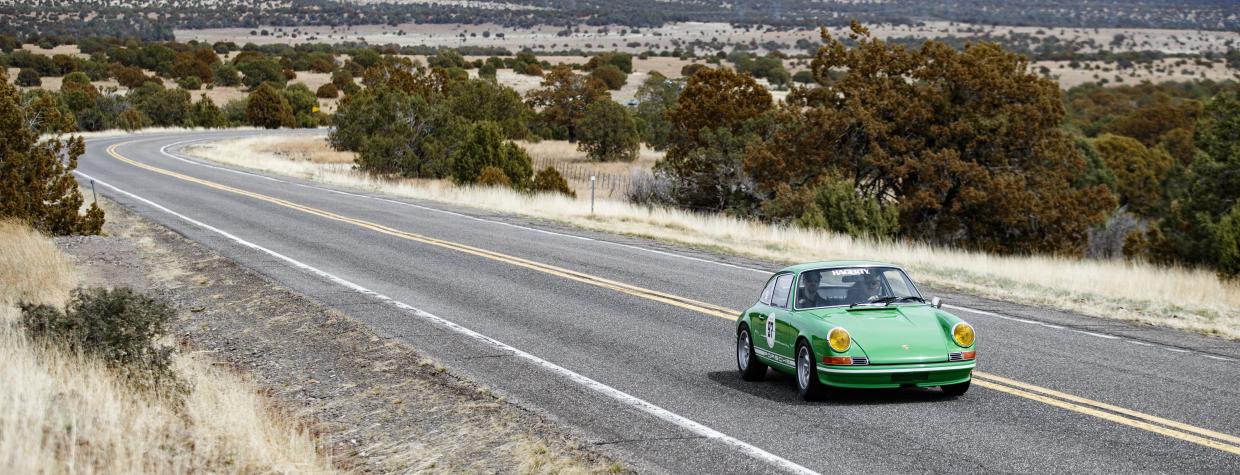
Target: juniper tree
1208 193
710 128
550 180
968 144
654 98
268 108
484 146
36 183
564 96
607 133
206 114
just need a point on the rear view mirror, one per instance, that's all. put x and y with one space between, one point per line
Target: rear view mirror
936 302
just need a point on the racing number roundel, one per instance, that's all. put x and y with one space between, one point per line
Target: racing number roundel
770 331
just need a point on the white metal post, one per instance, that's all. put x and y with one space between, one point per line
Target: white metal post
592 194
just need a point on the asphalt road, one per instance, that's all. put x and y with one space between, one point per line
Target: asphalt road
655 382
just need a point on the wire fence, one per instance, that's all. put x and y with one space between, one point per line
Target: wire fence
606 184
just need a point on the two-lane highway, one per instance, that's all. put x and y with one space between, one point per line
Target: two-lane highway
633 346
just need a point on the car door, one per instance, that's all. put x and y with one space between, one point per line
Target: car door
758 317
777 332
758 321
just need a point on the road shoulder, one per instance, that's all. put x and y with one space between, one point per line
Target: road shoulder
377 401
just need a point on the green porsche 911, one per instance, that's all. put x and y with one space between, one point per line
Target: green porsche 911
853 324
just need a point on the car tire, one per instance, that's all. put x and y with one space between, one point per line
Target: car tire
746 361
808 385
954 390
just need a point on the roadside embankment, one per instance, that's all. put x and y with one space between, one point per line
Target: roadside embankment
67 412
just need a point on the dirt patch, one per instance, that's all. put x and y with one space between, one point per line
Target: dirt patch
381 406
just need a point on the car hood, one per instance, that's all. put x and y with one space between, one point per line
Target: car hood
896 334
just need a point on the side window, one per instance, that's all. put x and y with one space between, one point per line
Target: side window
783 284
765 299
899 286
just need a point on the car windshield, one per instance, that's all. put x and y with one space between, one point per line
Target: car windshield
854 286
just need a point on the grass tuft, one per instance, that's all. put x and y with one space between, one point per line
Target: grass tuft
32 269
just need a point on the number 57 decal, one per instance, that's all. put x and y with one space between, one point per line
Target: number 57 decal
770 332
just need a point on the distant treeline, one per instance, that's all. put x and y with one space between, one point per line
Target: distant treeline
980 152
156 21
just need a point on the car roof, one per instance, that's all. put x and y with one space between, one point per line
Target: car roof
829 264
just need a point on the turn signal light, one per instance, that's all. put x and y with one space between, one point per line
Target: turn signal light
844 360
968 355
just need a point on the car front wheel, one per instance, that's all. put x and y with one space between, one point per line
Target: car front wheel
751 369
956 389
810 387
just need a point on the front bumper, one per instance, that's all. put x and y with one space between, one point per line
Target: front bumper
896 375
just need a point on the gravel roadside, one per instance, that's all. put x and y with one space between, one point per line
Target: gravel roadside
379 404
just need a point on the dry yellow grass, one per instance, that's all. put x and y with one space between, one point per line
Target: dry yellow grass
298 149
63 413
31 268
60 413
558 152
71 50
534 457
297 156
1189 299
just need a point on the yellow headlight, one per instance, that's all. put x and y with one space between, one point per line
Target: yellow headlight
963 334
839 340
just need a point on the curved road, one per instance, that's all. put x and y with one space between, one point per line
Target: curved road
630 342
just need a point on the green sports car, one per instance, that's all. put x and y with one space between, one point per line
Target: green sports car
853 324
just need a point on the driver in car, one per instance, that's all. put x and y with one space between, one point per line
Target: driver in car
865 290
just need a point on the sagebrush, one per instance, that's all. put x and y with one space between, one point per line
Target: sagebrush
119 326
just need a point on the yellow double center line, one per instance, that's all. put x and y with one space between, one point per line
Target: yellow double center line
1178 430
687 303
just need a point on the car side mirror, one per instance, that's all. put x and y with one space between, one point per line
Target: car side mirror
936 302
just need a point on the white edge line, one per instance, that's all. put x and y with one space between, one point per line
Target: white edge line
1099 335
973 310
601 388
1022 320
